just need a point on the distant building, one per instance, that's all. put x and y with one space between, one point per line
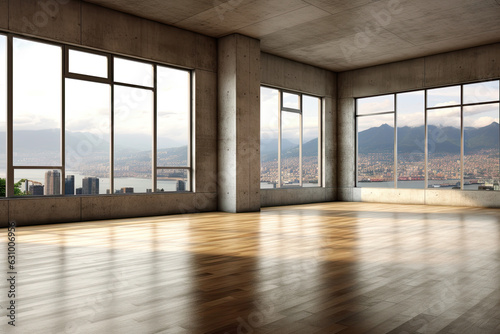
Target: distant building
69 185
127 190
181 185
90 186
79 191
53 183
149 191
36 190
108 192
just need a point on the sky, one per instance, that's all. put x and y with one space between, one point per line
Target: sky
291 122
37 94
411 106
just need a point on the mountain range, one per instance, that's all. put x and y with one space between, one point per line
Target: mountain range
441 140
49 140
269 149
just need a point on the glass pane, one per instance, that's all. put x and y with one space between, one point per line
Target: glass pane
444 148
36 182
174 110
376 151
441 97
172 180
133 139
88 64
370 105
3 113
481 92
269 137
310 143
88 111
411 139
290 158
481 151
133 72
37 103
291 101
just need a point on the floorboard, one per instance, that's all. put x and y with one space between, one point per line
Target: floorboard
318 268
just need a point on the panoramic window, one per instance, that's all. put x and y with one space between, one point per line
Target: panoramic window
133 72
290 139
133 138
376 150
410 115
311 148
174 122
88 112
125 131
446 138
86 63
37 100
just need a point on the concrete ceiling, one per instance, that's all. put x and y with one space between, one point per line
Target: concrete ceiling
334 34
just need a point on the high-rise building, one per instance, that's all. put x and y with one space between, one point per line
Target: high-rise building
53 182
90 186
69 185
181 185
79 191
127 190
36 190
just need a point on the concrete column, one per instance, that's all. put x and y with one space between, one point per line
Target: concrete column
239 124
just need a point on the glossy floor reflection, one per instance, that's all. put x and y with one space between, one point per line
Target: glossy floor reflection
322 268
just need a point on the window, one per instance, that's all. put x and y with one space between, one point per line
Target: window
89 123
88 113
133 138
376 150
446 138
86 63
290 139
311 147
37 94
410 115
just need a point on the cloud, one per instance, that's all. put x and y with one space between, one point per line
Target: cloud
414 119
481 92
483 121
444 117
481 109
375 104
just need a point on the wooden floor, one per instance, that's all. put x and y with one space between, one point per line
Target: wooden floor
322 268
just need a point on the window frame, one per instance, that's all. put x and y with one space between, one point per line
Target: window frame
425 91
281 110
66 74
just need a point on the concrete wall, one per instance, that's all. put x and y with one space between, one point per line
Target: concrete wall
283 73
469 65
79 23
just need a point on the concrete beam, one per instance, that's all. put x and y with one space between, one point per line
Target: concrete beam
115 31
285 73
480 63
58 20
239 124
